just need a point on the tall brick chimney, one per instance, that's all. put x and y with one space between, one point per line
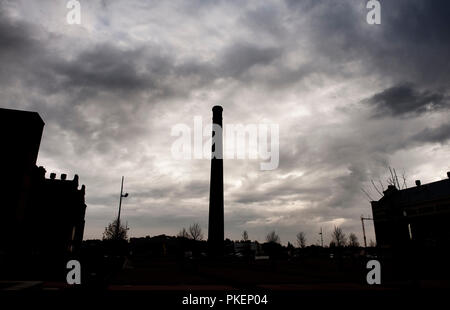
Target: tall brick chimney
215 225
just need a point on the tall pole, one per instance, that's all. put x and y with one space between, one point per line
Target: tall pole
120 201
321 236
120 208
364 229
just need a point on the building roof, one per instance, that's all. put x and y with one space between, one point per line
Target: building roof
12 115
418 194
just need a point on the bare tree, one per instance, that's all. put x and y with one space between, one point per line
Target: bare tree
115 231
183 233
273 237
392 180
339 237
195 231
301 239
367 194
244 235
404 180
353 240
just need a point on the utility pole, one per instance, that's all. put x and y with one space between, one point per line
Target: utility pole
321 237
120 207
364 229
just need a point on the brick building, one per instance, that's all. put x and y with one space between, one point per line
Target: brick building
418 215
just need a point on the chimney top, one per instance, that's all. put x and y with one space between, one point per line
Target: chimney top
448 174
217 108
63 176
418 183
52 176
390 189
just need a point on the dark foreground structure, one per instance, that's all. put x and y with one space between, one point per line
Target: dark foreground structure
216 218
42 218
417 216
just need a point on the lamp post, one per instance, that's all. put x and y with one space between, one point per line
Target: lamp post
364 229
321 237
122 195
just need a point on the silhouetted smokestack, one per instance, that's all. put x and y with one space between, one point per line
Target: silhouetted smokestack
215 225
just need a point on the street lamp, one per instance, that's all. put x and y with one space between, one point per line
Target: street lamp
122 195
364 229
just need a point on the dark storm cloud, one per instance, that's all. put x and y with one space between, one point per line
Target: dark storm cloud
17 45
106 67
14 38
406 100
418 34
439 134
146 68
100 67
410 44
114 92
339 32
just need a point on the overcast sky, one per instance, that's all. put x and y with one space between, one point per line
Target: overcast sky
350 99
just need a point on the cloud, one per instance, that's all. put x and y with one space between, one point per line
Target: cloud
440 134
241 57
406 100
111 89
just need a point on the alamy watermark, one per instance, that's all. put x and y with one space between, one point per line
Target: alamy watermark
373 17
73 17
252 141
374 275
74 274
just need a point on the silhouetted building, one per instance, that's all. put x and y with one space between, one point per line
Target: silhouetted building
418 215
57 214
216 222
41 217
168 247
20 133
247 248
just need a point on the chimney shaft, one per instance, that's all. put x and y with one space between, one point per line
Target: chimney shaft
216 200
418 183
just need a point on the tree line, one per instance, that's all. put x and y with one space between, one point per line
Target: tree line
194 232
